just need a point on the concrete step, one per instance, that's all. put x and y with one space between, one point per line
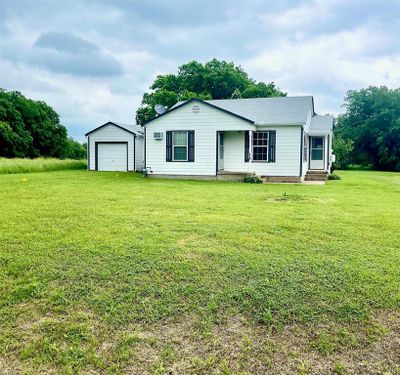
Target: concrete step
317 172
316 176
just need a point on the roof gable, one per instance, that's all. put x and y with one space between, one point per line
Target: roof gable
128 128
181 104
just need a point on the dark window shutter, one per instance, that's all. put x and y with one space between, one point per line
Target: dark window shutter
169 146
246 146
272 146
191 145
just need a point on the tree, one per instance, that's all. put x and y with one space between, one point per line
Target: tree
75 150
372 123
343 151
213 80
30 128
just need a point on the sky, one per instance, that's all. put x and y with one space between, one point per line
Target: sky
92 60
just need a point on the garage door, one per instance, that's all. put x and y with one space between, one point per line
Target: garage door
112 157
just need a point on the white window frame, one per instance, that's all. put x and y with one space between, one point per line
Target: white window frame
266 147
186 146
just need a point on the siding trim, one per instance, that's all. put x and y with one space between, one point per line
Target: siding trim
144 150
96 153
301 150
88 153
216 152
203 102
134 152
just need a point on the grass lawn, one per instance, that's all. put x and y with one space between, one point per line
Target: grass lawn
116 273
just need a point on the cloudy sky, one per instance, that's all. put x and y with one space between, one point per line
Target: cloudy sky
91 60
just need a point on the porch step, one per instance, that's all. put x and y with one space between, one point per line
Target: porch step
316 176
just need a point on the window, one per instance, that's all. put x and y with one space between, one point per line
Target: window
180 146
317 148
260 146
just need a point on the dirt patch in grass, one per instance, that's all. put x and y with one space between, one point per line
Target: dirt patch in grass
237 347
294 198
189 346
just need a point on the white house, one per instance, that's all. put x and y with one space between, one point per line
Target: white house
279 139
115 147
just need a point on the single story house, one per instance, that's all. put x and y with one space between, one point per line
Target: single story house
279 139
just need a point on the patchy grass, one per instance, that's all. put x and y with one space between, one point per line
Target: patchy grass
17 165
116 273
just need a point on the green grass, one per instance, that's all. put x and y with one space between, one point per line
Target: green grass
17 165
111 272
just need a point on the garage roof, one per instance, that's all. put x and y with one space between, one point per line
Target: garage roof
134 129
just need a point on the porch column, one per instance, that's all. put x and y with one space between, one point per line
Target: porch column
250 146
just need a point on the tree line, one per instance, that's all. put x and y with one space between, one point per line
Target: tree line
31 128
368 133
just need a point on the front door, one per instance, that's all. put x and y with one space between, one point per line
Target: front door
220 151
317 146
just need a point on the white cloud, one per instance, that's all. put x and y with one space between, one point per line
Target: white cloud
327 65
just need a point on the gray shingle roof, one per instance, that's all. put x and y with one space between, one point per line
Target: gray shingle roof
321 124
269 111
130 127
285 110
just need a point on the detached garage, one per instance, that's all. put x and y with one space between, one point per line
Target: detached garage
115 147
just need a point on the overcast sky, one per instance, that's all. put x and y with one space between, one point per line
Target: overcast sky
91 60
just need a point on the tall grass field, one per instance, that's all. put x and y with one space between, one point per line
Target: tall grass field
115 273
19 165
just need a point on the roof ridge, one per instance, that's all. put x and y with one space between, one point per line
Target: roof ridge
267 97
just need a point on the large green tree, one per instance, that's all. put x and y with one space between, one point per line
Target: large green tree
213 80
372 123
30 128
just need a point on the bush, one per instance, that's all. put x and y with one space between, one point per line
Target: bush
252 180
334 177
343 151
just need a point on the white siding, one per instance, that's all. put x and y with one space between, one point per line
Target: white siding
110 133
287 158
139 153
205 123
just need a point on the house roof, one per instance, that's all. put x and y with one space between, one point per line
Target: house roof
321 124
134 129
286 110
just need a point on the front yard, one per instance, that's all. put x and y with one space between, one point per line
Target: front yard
115 273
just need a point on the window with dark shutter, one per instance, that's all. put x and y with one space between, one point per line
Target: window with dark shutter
180 146
272 146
